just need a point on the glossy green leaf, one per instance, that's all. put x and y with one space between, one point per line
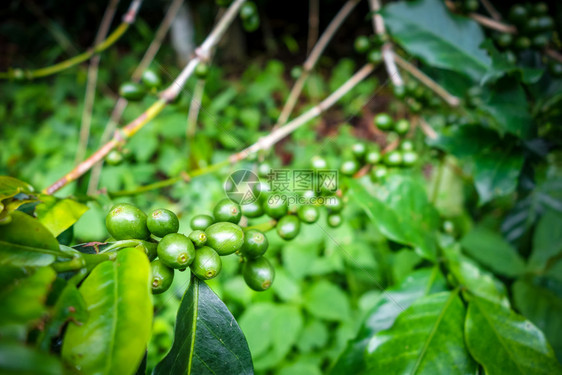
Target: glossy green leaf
70 306
17 359
470 276
426 29
386 207
10 186
504 342
207 337
119 304
23 301
502 67
420 335
495 166
491 250
547 240
26 242
542 307
506 103
327 301
383 314
57 215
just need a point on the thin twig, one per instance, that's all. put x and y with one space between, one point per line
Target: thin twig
486 21
387 54
453 101
490 9
554 54
265 142
121 104
313 21
427 129
312 59
167 96
275 136
92 81
128 19
194 108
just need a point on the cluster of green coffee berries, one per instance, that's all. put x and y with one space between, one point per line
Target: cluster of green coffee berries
416 96
370 46
248 14
403 156
534 29
201 250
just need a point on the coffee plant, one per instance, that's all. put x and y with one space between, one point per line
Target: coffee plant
374 190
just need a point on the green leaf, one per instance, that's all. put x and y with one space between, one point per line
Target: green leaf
479 282
119 303
547 240
57 215
501 67
420 335
384 313
16 358
542 307
508 107
70 306
495 162
10 186
401 211
26 242
23 302
491 250
207 337
327 301
426 29
504 342
256 323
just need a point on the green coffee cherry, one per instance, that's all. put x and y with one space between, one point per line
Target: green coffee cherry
125 222
227 210
114 158
540 41
470 6
255 244
378 173
151 79
201 70
258 273
248 10
264 169
402 126
296 72
362 44
555 69
406 145
334 220
308 214
198 237
161 222
252 210
288 227
319 162
545 23
522 43
393 158
540 8
201 222
207 263
374 56
504 40
275 207
176 251
132 91
162 276
518 14
399 91
226 238
149 248
373 157
334 204
383 121
251 24
349 167
358 150
409 158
